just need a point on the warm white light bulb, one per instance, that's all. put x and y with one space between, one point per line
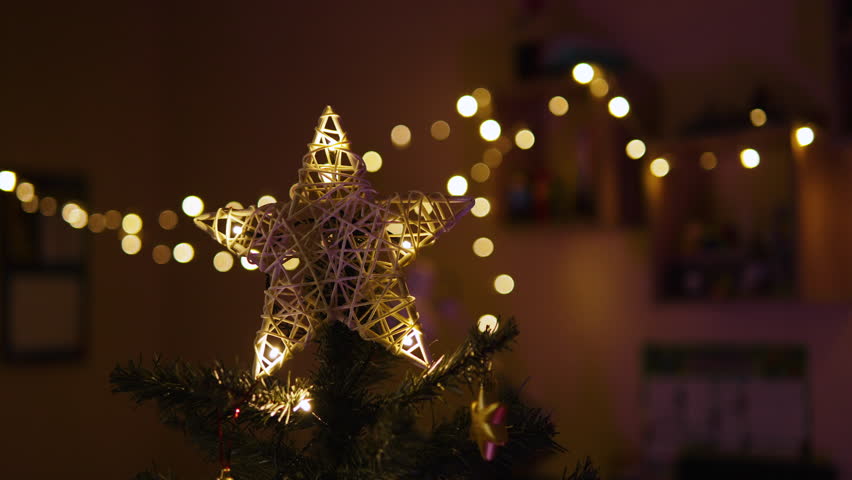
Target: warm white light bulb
192 206
457 185
583 73
804 136
25 192
659 167
481 207
558 106
131 244
131 223
265 200
487 323
524 139
757 117
467 106
619 107
750 158
489 130
483 247
504 284
400 136
223 261
635 149
8 179
183 252
372 161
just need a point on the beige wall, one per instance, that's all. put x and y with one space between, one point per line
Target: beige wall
155 102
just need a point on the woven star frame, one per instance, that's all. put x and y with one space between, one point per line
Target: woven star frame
335 252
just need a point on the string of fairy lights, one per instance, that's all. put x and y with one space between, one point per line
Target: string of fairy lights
476 104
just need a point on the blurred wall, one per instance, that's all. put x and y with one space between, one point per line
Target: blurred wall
155 101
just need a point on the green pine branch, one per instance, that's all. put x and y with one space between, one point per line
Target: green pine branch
363 425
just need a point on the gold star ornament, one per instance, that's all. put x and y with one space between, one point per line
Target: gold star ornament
486 426
335 252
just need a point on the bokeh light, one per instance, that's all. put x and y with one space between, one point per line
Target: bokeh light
558 106
401 136
265 200
481 207
524 139
757 117
234 204
467 106
619 107
487 323
161 254
372 161
192 206
67 210
804 136
583 73
489 130
659 167
291 263
504 284
480 172
457 185
440 130
635 149
599 87
97 223
113 219
131 244
8 179
483 247
223 261
168 219
25 191
749 158
78 218
183 253
48 206
131 223
30 206
708 160
246 264
482 97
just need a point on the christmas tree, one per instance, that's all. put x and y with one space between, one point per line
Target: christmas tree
333 255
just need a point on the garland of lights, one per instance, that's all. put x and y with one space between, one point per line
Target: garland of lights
130 224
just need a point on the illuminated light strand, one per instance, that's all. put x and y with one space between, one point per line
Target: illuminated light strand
468 106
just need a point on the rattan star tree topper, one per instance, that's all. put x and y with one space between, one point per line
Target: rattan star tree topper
335 252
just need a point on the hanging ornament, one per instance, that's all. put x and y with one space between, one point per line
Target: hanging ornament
335 252
486 426
225 474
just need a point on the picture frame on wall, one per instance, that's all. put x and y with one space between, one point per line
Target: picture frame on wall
43 274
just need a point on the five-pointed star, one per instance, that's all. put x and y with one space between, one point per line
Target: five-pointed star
335 252
486 425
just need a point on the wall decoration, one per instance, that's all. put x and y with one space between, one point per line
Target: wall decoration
44 274
748 401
